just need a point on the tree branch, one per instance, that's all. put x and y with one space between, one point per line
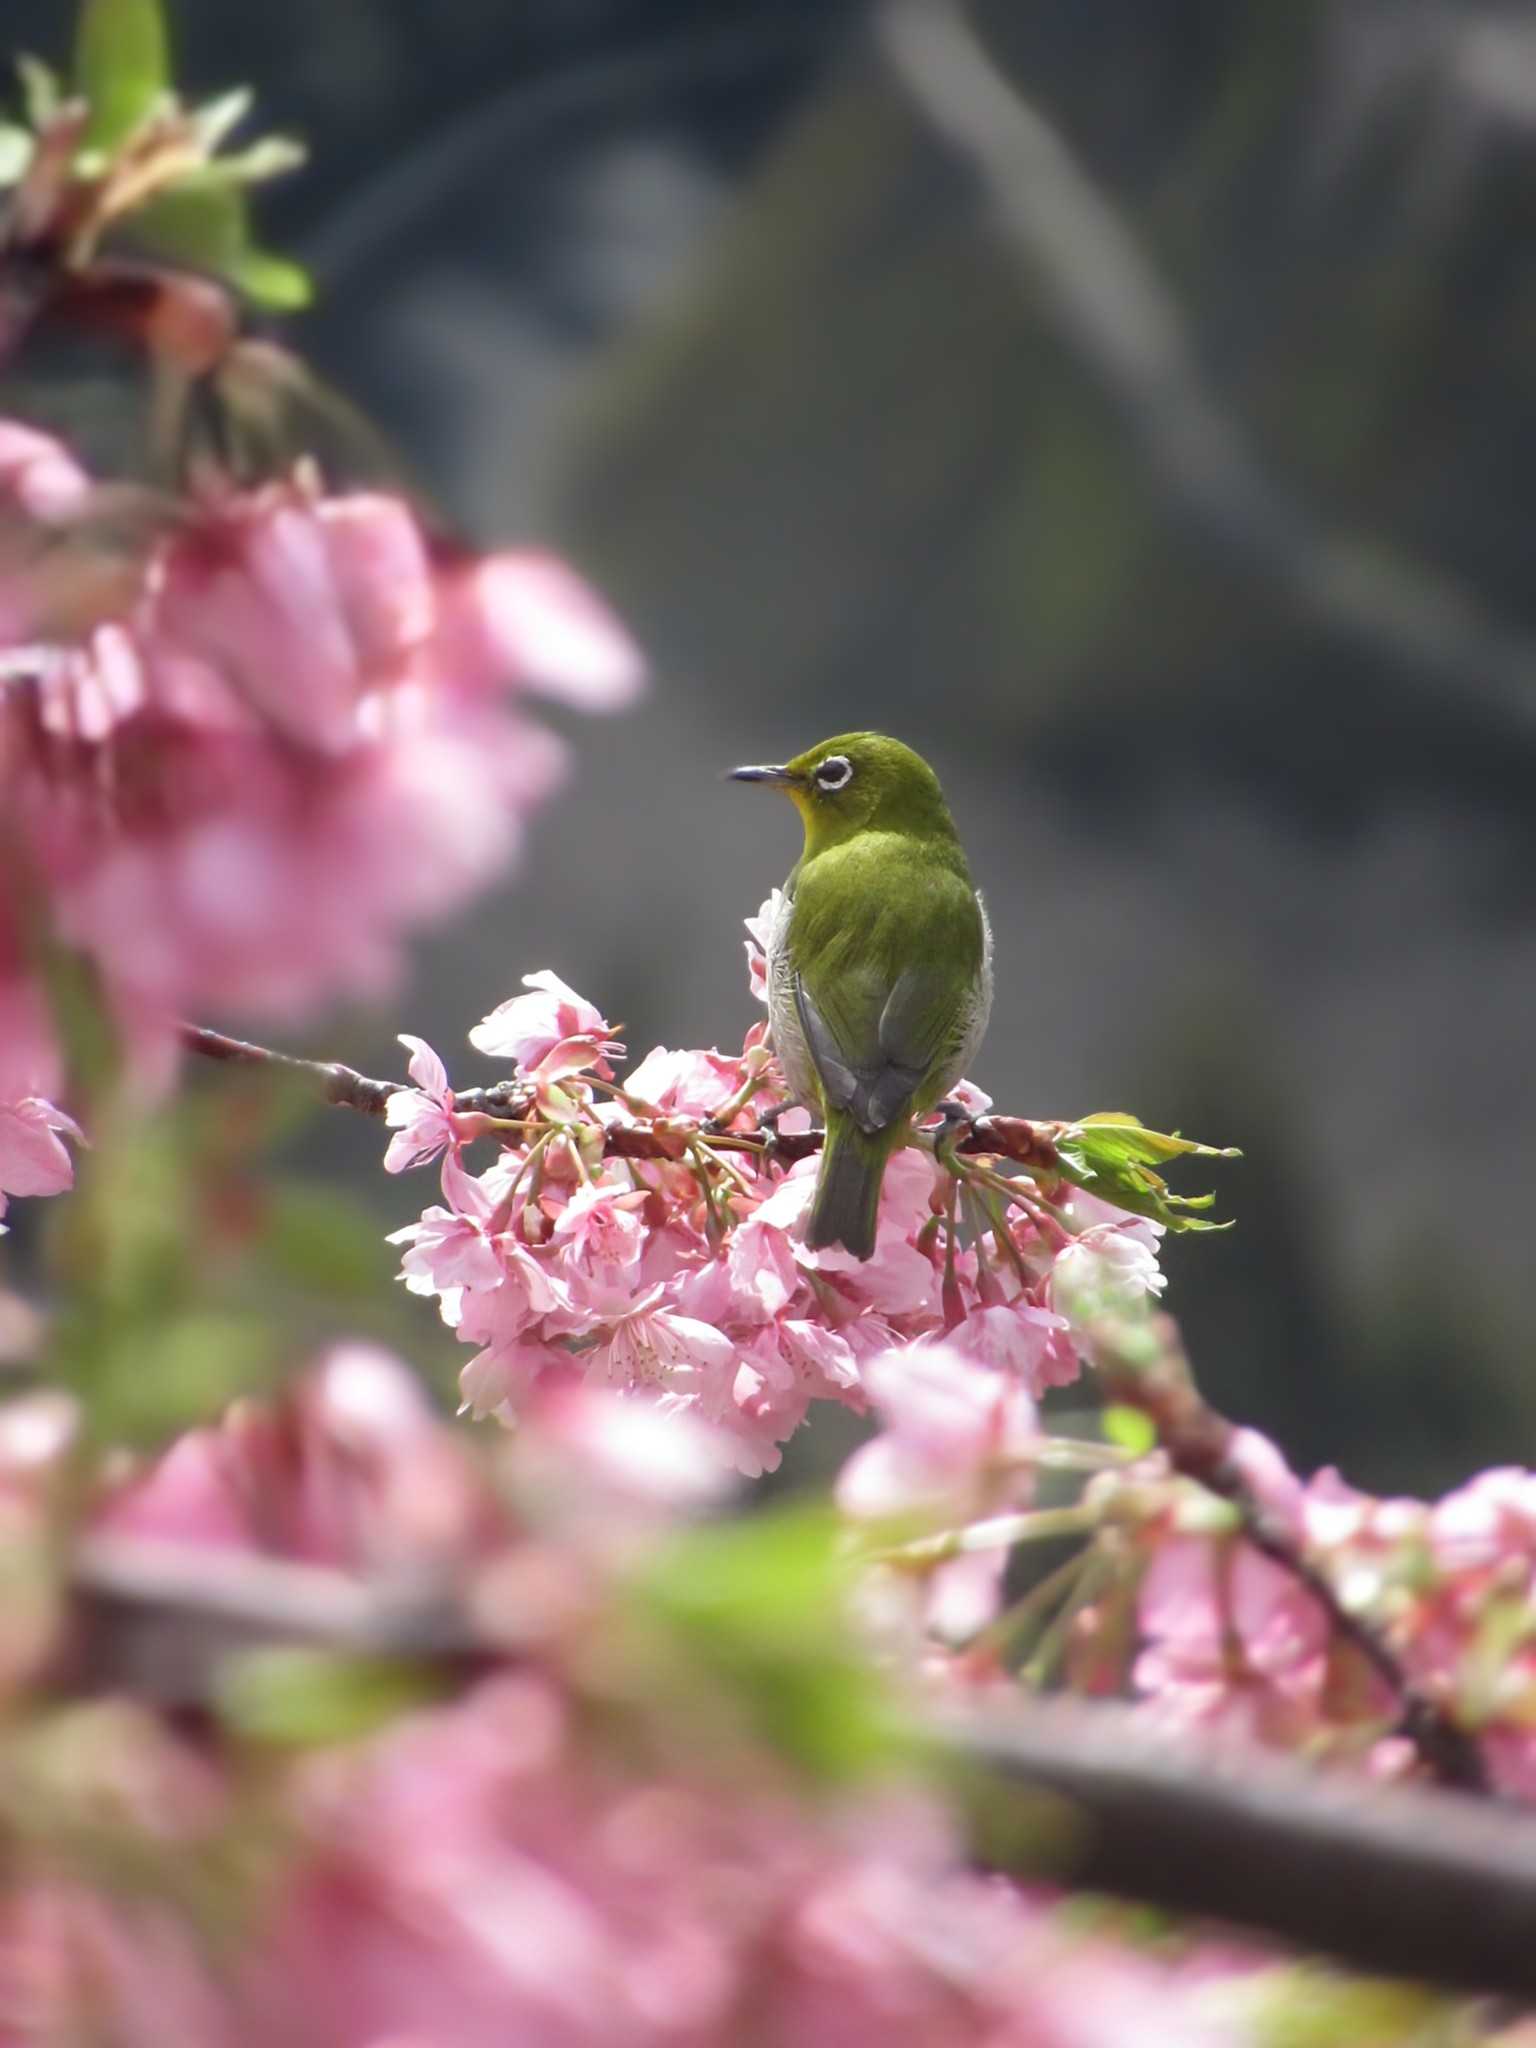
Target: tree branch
1396 1878
1401 1879
337 1084
996 1137
158 1618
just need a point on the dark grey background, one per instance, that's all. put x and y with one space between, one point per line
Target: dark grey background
692 291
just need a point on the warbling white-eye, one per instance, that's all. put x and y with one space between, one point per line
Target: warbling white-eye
879 965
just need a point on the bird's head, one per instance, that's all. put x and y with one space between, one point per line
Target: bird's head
859 781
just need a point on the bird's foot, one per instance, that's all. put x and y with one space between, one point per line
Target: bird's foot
785 1147
945 1137
957 1121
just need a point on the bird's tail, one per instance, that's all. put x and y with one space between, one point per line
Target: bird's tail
847 1201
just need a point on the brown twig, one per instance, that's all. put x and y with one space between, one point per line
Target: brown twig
1001 1137
1144 1367
341 1085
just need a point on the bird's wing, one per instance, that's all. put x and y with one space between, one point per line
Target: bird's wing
880 1002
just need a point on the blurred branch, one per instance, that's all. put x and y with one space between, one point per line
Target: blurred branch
157 1618
1120 322
1144 1366
1400 1879
1397 1878
454 159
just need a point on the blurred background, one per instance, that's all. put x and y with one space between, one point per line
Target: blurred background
1151 451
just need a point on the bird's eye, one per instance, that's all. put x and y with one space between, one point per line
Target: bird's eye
836 772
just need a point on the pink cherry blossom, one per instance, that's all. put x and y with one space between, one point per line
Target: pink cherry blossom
515 1368
526 616
759 931
690 1084
761 1264
601 1235
1230 1636
422 1117
1108 1270
646 1464
549 1034
1018 1337
242 769
448 1252
950 1429
350 1468
302 608
33 1157
653 1346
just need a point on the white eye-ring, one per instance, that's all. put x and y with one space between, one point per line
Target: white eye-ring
836 772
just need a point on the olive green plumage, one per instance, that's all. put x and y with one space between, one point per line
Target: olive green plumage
879 965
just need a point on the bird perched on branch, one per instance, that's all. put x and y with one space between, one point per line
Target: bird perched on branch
879 964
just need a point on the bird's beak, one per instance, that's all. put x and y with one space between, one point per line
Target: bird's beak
780 775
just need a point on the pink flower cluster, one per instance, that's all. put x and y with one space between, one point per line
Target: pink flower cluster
1449 1586
644 1239
496 1867
1167 1599
241 760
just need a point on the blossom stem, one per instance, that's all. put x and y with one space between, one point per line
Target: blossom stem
953 1304
708 1148
1075 1454
753 1085
1090 1581
1045 1216
999 1532
501 1216
1009 1629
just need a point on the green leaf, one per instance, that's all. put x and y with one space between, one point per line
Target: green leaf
272 282
299 1698
1132 1430
268 158
217 118
40 94
1113 1155
203 225
1310 2005
122 66
199 223
1128 1136
758 1606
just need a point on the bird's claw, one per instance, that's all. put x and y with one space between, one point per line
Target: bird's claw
957 1120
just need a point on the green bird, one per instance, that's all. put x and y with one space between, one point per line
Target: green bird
879 964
